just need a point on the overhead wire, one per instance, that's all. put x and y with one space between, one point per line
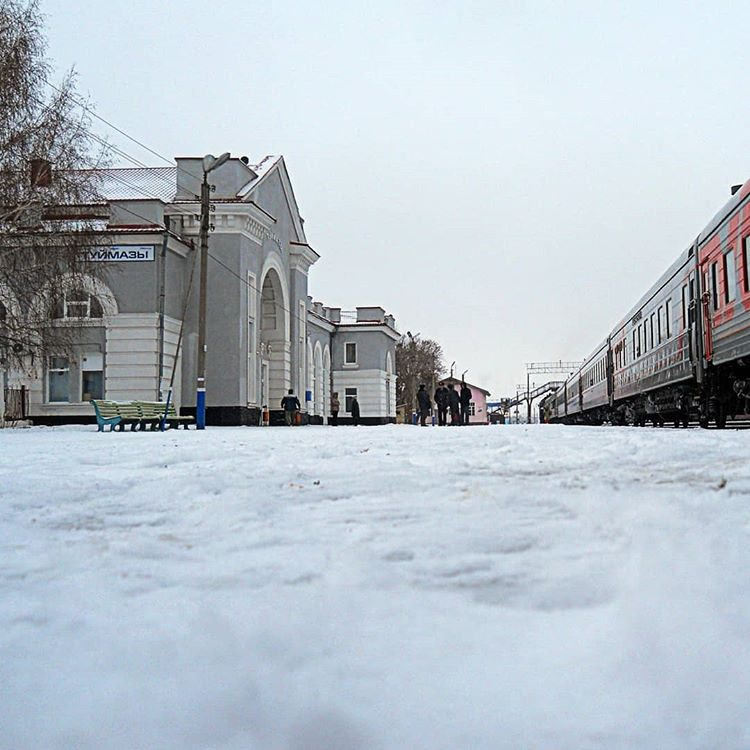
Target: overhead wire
216 260
122 153
83 105
126 183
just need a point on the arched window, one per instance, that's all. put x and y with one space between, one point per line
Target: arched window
77 304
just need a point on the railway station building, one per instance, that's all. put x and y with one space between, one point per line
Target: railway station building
137 321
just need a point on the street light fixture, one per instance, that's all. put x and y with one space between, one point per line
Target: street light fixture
210 162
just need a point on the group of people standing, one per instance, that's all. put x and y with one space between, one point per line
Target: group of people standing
291 406
446 399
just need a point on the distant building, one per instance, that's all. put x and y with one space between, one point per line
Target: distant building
478 405
264 333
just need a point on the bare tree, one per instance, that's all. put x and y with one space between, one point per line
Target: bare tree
418 361
47 196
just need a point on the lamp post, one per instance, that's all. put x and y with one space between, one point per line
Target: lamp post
209 164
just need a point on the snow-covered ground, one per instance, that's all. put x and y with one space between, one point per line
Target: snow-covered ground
385 588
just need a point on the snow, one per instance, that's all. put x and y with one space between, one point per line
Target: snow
384 588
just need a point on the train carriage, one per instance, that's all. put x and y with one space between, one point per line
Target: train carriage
683 351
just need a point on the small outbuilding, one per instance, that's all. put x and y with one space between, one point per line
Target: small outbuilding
478 405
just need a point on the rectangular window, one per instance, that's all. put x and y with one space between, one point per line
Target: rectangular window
58 378
92 376
730 278
350 353
684 305
715 284
668 318
638 342
349 395
745 253
651 330
92 385
659 316
472 409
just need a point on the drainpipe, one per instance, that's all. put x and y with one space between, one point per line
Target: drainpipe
162 298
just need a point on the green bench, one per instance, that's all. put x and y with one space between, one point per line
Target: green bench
152 412
137 414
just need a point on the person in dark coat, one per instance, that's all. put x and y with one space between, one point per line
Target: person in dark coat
355 411
424 403
291 407
441 399
335 406
454 403
465 398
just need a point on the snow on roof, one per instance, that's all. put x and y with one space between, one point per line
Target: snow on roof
261 169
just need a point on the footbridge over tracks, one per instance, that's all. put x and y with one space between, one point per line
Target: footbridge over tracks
504 405
535 393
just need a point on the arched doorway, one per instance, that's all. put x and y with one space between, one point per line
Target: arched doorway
319 381
274 340
326 382
309 405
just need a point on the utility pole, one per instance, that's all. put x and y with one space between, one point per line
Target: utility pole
209 163
200 391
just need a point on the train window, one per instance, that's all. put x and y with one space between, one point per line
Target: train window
667 320
638 340
635 351
715 284
651 329
730 278
659 316
745 252
684 305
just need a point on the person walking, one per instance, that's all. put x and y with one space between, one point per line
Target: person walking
441 399
291 407
465 398
335 406
424 403
355 411
454 403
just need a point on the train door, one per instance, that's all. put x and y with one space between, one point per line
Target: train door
706 317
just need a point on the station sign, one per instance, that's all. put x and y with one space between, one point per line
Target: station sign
122 254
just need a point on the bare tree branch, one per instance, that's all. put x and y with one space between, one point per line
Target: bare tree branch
43 249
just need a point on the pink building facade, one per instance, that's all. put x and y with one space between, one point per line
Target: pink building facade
478 406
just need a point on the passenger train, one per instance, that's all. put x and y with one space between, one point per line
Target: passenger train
682 353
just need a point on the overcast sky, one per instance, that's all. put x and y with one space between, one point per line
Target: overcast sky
504 177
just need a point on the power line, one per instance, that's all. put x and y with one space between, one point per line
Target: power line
292 313
88 109
122 153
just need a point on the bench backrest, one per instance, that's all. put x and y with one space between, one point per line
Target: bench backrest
156 409
105 409
133 409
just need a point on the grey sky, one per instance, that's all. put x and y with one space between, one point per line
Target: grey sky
505 177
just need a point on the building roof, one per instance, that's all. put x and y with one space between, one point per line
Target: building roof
134 183
471 385
261 169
